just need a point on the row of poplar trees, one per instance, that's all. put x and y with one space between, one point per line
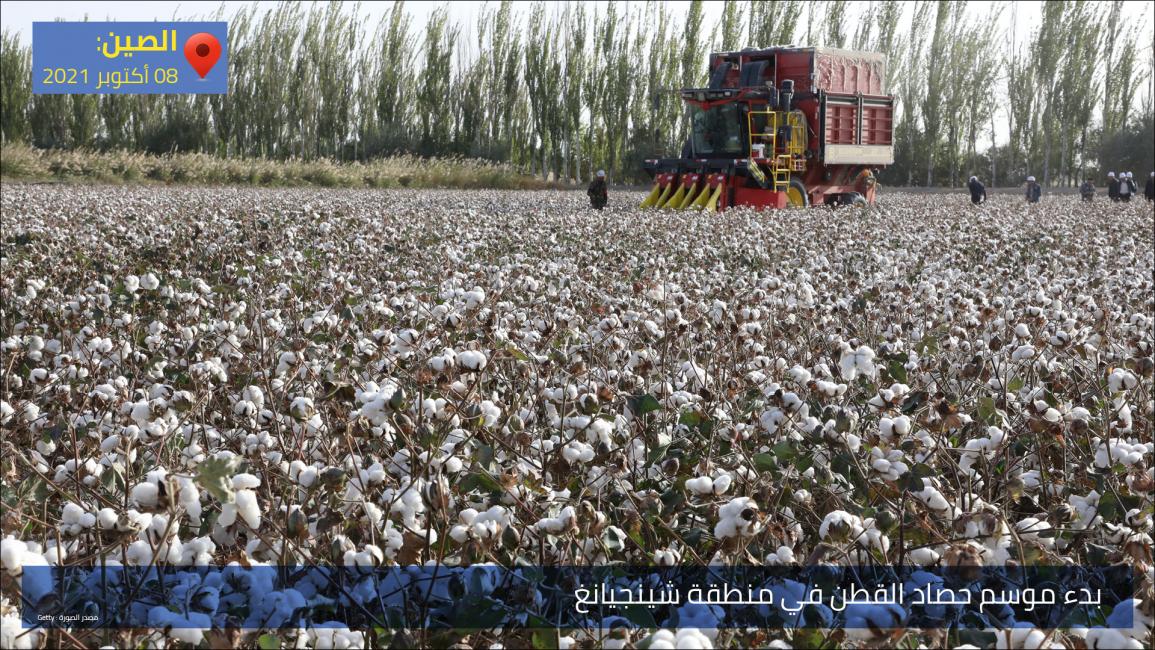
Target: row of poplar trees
563 88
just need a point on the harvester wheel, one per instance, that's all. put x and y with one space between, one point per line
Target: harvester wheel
796 194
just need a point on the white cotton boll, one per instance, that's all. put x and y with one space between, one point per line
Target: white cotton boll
1022 331
1121 380
890 464
800 375
14 636
682 639
145 494
846 365
924 556
577 451
1119 451
106 518
829 388
563 521
701 485
600 431
12 554
74 519
886 429
139 553
189 498
149 282
667 557
902 425
228 515
31 412
738 518
301 408
784 556
934 500
996 437
188 629
1079 413
1032 528
1106 638
443 362
245 481
1023 352
660 640
1020 638
472 360
244 409
722 484
706 618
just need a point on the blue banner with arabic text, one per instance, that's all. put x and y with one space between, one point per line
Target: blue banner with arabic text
129 57
483 596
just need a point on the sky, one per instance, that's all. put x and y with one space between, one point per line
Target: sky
19 15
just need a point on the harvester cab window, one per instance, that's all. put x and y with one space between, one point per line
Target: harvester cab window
717 131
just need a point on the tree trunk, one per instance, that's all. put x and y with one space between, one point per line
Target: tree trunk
1083 153
1047 156
577 170
994 154
565 163
1063 156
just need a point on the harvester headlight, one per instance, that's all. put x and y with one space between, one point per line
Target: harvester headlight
701 96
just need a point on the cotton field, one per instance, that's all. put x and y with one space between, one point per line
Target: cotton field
374 378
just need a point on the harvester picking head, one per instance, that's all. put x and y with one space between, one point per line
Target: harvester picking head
687 190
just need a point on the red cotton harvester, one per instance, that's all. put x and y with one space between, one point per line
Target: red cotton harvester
781 127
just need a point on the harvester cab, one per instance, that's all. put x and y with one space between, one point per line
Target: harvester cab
780 127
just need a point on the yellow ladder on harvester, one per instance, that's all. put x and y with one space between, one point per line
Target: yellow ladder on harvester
788 160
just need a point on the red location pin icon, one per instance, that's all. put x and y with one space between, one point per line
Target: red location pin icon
202 51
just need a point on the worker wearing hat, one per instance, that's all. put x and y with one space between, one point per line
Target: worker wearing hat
1126 188
1034 191
978 190
1112 186
597 191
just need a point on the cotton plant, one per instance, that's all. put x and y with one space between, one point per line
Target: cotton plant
462 401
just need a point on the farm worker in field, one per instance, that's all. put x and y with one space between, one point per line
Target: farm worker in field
1149 191
1126 188
597 191
1034 190
978 190
1112 186
1087 190
1131 182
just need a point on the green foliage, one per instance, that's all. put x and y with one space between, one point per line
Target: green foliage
216 477
15 88
562 89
